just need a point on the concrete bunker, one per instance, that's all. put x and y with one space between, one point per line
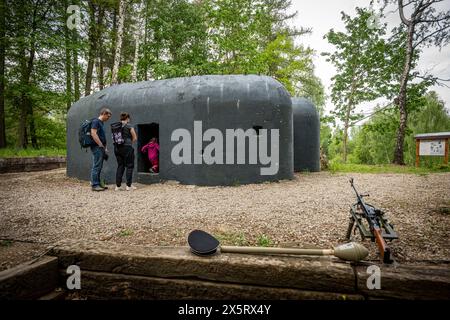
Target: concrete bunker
206 108
306 135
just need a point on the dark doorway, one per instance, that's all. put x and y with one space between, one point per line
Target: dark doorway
145 133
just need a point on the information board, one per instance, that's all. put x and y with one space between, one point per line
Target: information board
432 147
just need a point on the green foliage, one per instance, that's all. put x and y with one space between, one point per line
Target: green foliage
47 64
30 152
6 243
359 56
335 145
338 166
360 59
326 135
263 241
293 66
35 101
375 140
125 233
431 117
228 37
231 238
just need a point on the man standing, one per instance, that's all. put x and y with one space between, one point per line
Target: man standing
98 148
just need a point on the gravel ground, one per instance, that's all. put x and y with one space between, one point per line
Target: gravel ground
310 211
14 253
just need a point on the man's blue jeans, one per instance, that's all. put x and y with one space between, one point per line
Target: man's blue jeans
97 164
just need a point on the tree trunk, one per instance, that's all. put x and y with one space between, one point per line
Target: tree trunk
345 141
22 125
68 59
118 50
30 66
146 42
22 140
113 39
398 153
92 47
136 59
347 115
136 54
76 74
32 125
26 68
2 73
100 68
137 39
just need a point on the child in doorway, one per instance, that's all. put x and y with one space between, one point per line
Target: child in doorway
152 149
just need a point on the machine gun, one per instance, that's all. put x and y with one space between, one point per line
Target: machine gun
380 229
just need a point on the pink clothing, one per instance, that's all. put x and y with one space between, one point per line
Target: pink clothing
152 149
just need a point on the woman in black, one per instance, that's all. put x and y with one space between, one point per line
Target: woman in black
125 153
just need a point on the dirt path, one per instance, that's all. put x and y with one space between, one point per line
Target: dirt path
311 210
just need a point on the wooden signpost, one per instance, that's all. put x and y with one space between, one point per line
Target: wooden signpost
432 144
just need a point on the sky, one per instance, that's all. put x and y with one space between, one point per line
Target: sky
323 15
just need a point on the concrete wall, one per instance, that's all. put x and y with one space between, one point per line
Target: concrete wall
31 164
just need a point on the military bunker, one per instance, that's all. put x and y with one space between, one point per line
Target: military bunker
212 130
306 136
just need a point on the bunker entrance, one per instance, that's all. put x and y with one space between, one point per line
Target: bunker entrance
145 133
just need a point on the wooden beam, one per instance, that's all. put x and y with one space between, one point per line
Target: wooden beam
417 152
29 280
446 151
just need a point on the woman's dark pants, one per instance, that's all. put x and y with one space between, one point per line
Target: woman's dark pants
125 159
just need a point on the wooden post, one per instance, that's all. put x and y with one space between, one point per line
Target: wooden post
417 152
446 151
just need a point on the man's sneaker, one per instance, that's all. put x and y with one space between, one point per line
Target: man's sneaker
98 188
118 188
131 188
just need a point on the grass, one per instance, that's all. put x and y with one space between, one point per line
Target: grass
233 239
31 152
385 168
239 239
125 233
263 241
6 243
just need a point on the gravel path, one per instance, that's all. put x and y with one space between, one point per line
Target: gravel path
310 211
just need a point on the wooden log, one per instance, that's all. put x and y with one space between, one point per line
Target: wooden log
57 294
305 273
101 285
417 153
29 280
422 282
447 141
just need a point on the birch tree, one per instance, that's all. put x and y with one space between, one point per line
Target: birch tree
137 40
426 26
118 49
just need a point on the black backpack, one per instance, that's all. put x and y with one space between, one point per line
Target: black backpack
117 133
84 134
